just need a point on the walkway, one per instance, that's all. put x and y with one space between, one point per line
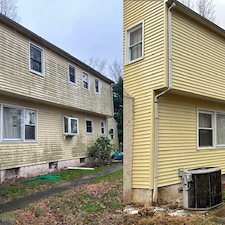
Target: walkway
23 201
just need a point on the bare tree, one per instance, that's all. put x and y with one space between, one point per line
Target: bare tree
9 9
116 70
206 8
97 64
188 3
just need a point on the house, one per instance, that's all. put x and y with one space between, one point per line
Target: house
52 105
174 101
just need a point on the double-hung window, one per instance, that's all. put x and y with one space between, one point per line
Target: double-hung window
97 86
19 124
70 125
89 126
211 129
205 129
72 74
85 81
36 60
103 127
134 39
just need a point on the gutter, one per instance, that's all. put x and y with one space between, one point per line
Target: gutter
156 118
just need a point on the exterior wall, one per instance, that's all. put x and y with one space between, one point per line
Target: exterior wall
112 124
178 138
51 145
15 77
140 77
198 58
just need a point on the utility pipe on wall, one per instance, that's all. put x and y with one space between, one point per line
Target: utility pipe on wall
155 182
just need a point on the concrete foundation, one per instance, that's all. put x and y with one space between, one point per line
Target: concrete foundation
169 194
142 196
39 169
172 194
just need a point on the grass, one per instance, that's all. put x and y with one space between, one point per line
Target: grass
12 191
97 202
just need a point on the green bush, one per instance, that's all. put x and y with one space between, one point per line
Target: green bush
101 150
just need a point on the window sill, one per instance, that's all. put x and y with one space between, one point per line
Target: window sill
133 61
74 84
37 73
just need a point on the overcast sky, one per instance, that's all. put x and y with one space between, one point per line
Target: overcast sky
83 28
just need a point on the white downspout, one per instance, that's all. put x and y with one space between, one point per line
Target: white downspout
155 188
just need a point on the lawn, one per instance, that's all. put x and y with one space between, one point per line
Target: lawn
30 186
98 202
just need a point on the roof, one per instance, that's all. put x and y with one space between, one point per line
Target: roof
192 14
39 40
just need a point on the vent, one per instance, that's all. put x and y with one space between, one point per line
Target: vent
202 188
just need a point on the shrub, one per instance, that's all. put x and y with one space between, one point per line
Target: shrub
101 150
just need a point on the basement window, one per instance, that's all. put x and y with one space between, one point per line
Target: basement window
70 126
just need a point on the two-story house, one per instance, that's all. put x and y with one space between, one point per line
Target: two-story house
174 104
52 105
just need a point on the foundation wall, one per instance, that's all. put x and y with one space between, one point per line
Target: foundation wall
39 169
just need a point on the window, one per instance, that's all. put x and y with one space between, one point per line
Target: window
111 132
135 43
97 88
103 127
36 60
85 81
205 129
89 127
220 129
211 129
72 74
70 125
30 124
19 124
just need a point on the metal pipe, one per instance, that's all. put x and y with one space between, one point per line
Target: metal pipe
170 84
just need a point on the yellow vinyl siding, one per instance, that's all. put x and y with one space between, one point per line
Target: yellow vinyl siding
54 87
141 77
198 58
178 138
50 145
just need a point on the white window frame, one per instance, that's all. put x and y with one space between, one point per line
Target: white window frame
75 74
9 140
92 127
214 127
42 60
128 31
88 81
99 91
104 126
69 133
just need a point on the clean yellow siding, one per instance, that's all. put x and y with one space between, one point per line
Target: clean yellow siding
51 145
141 77
178 138
198 58
15 77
